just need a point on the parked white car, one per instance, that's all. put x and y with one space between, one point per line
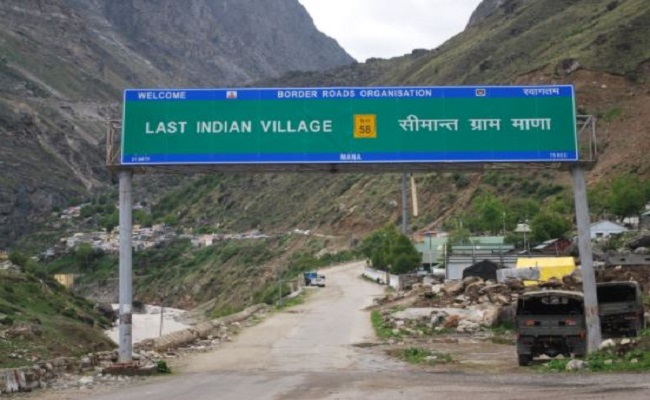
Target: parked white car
318 281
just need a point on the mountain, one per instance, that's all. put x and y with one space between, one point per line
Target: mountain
64 63
484 10
600 46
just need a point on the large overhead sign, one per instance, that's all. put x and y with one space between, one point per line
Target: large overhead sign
349 125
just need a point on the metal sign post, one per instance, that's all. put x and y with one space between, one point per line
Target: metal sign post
126 285
352 129
592 319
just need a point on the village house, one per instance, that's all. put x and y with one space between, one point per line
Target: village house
604 229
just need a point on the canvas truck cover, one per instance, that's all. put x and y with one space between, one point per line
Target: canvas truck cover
549 267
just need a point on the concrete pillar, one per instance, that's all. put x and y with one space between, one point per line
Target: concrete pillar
405 209
126 285
594 336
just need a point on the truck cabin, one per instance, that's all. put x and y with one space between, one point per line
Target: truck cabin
618 292
551 303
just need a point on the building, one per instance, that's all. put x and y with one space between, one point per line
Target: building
549 267
553 247
604 229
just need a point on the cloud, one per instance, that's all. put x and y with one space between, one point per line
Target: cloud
389 28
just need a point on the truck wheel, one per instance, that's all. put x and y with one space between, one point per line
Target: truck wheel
524 359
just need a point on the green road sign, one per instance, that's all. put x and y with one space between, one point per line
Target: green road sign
349 125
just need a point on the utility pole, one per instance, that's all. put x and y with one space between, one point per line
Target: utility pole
162 313
126 284
594 336
404 205
280 287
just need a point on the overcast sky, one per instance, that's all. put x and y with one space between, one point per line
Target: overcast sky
389 28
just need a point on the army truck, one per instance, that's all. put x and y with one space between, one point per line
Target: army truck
550 322
620 307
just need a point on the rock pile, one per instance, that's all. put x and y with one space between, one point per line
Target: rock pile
102 368
66 372
465 306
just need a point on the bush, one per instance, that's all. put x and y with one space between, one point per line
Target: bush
18 259
162 367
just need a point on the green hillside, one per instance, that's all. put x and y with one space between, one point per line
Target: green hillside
41 320
600 46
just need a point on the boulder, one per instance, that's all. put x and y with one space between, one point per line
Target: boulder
414 313
472 291
452 322
472 279
467 326
438 318
461 299
453 288
498 288
501 299
606 344
515 285
641 250
567 66
575 365
491 317
437 289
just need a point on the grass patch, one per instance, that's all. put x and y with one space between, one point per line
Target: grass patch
504 328
612 114
609 360
418 355
381 329
293 301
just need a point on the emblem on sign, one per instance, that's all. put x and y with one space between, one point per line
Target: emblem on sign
365 126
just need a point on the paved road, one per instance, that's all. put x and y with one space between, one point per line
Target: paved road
309 353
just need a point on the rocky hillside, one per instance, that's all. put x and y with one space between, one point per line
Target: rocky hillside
41 320
63 64
598 45
602 47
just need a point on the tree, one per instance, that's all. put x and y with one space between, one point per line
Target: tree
404 257
389 250
520 209
460 236
598 199
84 255
489 211
18 258
626 196
549 225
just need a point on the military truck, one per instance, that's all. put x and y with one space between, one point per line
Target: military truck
550 322
620 307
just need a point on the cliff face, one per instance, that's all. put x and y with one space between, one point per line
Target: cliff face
64 63
484 10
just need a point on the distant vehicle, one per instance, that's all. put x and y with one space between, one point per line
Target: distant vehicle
620 307
318 281
309 276
550 322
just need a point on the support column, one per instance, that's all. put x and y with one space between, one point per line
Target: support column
126 285
592 319
405 209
